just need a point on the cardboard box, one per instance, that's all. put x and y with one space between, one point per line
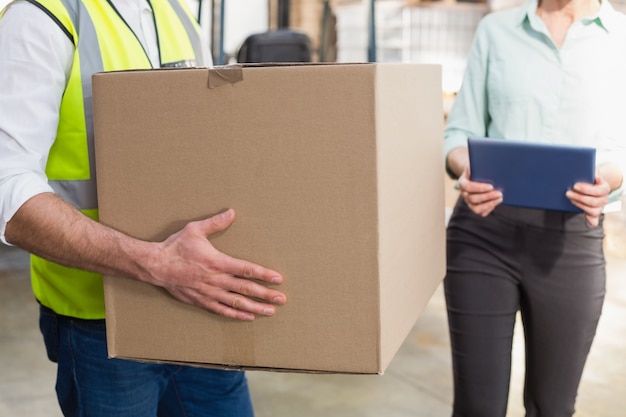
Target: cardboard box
335 173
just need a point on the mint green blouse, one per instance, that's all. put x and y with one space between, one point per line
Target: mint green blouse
519 85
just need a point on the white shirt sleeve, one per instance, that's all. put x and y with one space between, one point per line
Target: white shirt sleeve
35 61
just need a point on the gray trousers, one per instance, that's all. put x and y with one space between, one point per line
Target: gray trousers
547 265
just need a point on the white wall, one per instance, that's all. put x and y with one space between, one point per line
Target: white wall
242 18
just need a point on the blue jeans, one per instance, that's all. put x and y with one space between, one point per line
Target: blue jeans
90 384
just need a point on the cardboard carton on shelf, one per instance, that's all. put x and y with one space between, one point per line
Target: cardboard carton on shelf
335 173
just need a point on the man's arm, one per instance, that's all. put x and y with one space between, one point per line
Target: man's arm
186 264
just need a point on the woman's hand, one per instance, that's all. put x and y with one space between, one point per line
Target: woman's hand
590 198
479 196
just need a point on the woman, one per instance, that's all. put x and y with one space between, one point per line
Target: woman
549 72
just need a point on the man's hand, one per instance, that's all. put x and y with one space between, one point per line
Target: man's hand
480 197
185 264
590 198
192 270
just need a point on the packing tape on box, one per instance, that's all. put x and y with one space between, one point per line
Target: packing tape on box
227 74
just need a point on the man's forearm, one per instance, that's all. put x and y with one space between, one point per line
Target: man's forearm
186 264
51 228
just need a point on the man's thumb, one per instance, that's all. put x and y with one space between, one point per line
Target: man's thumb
219 222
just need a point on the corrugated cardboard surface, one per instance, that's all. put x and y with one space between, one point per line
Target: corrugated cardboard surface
334 172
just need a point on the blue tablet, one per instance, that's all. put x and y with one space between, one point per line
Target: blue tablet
533 175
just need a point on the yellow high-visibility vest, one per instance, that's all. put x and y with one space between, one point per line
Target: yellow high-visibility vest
103 42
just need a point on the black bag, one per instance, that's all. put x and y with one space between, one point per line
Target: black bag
282 45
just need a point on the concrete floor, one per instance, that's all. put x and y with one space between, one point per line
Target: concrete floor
417 383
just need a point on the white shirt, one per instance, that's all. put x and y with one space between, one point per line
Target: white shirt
35 62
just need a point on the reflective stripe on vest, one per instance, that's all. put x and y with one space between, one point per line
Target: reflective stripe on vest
82 192
71 162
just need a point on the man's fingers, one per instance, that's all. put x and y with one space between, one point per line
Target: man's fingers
217 223
234 266
254 290
196 273
231 304
229 312
249 270
251 289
